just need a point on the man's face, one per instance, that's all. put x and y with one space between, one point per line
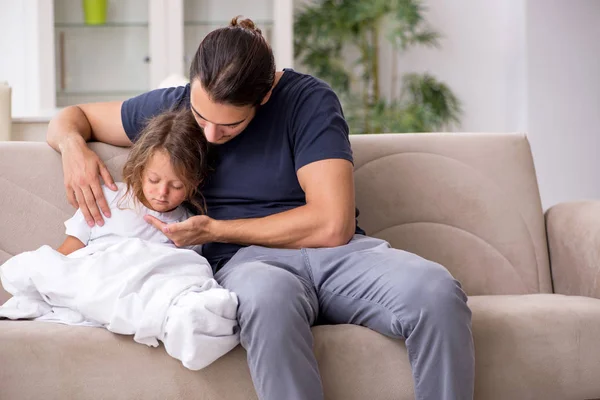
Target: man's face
221 122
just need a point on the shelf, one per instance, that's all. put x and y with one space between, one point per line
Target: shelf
102 93
65 25
64 99
259 24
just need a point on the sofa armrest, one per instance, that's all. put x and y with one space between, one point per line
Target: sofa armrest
574 242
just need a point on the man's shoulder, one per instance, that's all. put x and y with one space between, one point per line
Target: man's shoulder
165 98
136 111
305 83
302 94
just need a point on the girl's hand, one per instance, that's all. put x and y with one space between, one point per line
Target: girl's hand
82 170
193 231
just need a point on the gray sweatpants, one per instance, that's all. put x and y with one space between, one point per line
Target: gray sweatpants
366 282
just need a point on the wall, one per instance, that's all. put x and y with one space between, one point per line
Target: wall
25 26
482 57
531 66
563 42
11 19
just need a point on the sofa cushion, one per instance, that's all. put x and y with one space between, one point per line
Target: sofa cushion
527 347
536 347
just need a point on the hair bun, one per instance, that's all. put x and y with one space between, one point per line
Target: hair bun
244 23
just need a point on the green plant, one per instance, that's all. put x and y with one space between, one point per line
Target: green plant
328 32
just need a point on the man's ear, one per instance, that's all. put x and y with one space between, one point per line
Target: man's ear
267 97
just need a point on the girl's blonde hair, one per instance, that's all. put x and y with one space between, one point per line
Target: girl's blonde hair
179 135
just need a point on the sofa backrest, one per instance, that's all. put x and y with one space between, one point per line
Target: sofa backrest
467 201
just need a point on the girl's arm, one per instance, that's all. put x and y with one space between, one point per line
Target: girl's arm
70 245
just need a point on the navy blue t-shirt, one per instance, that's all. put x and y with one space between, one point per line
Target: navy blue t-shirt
255 172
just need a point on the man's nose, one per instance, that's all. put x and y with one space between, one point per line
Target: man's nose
211 131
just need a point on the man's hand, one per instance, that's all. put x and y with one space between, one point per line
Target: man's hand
82 170
193 231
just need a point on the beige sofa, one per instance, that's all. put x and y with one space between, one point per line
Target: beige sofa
468 201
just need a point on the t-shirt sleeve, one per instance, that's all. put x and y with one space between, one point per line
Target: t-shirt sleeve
136 111
319 129
78 227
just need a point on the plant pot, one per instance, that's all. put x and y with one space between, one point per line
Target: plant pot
94 11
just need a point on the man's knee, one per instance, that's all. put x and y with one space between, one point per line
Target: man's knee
436 298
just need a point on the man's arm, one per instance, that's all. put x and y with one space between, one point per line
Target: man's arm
68 133
100 122
322 157
70 245
327 219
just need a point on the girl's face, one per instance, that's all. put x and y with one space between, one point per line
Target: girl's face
162 188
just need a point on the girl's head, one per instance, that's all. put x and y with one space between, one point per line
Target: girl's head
232 73
168 162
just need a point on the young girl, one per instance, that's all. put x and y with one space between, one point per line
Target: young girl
126 275
164 169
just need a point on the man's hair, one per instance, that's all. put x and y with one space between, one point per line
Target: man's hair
235 64
178 134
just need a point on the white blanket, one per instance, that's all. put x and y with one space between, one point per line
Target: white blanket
131 287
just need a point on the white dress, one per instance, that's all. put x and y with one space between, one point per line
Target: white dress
130 279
